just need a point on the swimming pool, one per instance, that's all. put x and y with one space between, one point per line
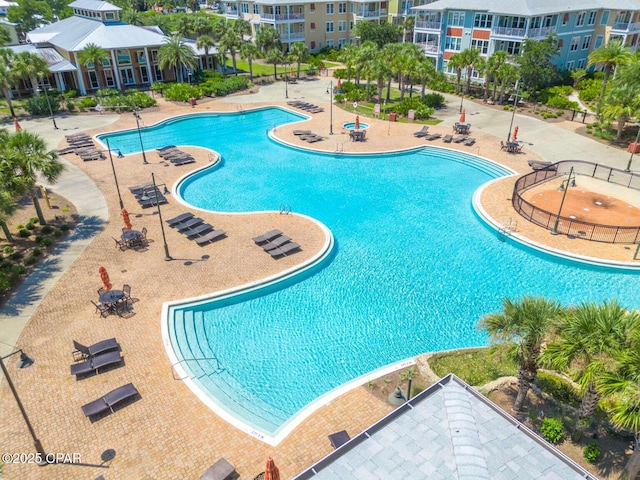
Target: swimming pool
412 268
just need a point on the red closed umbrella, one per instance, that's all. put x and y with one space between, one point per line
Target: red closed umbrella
291 71
104 276
271 472
463 116
357 122
16 124
515 133
125 218
338 85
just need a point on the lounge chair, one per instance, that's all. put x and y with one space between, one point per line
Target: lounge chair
109 400
339 438
221 470
167 147
432 136
82 352
183 217
503 146
210 237
199 230
536 165
459 139
313 139
152 202
302 132
267 237
94 364
278 242
189 224
184 161
422 133
469 141
284 250
172 152
447 138
139 188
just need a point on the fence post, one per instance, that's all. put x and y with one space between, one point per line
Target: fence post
584 116
573 115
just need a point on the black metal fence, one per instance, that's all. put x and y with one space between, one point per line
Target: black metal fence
569 226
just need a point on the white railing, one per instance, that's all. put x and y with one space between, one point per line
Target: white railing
290 17
267 16
621 26
429 47
541 32
508 31
291 37
428 25
368 13
634 27
231 13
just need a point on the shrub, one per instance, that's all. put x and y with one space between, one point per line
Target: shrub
87 103
18 270
70 94
46 242
591 452
5 282
40 106
71 106
24 233
36 252
16 256
20 226
47 229
559 389
57 233
433 100
353 92
562 102
422 110
31 260
30 226
181 92
442 85
64 227
34 220
8 249
6 265
552 430
220 87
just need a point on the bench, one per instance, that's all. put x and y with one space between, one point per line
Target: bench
221 470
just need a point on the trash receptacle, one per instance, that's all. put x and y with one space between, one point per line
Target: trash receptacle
634 147
193 102
392 116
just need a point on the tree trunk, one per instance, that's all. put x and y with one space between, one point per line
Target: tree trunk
587 407
632 468
7 97
389 88
275 71
502 87
486 90
6 231
36 204
607 72
423 92
621 123
250 70
233 56
495 90
34 85
525 379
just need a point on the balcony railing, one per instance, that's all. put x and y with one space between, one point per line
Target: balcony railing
268 17
428 25
541 32
292 37
508 31
368 13
429 47
626 26
231 13
290 17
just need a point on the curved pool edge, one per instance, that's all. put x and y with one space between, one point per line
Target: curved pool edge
176 363
526 241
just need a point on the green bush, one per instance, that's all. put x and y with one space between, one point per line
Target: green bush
87 103
24 233
181 92
71 106
16 256
559 389
422 110
70 94
552 430
6 265
20 226
46 242
433 100
124 101
39 105
562 102
591 452
340 73
5 282
353 92
589 89
34 220
442 85
220 87
18 270
64 227
36 252
31 260
8 249
30 226
47 229
476 367
57 233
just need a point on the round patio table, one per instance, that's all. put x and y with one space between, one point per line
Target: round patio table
129 235
111 296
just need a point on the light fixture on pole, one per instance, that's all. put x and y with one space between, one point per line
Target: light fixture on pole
167 256
137 117
513 114
461 99
25 362
46 96
633 150
113 168
564 187
286 84
331 108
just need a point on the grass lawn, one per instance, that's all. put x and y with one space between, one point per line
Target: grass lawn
264 70
476 367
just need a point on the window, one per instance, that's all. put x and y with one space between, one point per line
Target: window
482 20
351 25
93 79
570 65
582 62
342 7
599 40
329 8
455 19
482 45
341 42
126 74
244 7
453 43
108 76
313 26
342 26
313 45
312 8
592 17
565 19
605 18
109 16
158 73
330 42
586 42
560 43
154 55
329 27
144 74
512 48
123 57
580 19
574 44
141 58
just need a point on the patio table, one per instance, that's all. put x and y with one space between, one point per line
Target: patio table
131 237
111 298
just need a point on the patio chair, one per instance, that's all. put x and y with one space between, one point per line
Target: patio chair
469 141
143 232
152 202
339 438
126 290
94 364
447 138
101 291
210 237
278 242
421 133
267 237
140 187
459 139
167 147
221 470
503 146
302 132
108 401
199 230
189 224
120 244
83 352
101 308
285 249
184 161
183 217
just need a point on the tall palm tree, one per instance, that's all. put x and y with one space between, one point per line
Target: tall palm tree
366 53
494 63
267 39
7 208
8 77
184 25
32 66
231 42
610 55
407 28
411 54
507 74
588 339
621 103
176 54
249 52
457 61
522 326
276 57
205 42
132 17
201 25
380 69
470 58
96 55
425 72
25 157
298 53
347 56
394 53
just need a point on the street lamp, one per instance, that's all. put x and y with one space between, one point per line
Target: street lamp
331 108
167 257
25 361
137 117
564 187
633 150
113 168
50 109
513 114
286 84
461 98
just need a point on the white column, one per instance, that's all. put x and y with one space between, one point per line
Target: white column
59 78
116 74
151 72
83 90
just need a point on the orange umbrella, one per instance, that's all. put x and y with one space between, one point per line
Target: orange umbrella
339 85
463 116
104 276
16 124
291 71
357 122
515 133
125 218
271 472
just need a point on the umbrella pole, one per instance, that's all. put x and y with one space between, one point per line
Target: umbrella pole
167 257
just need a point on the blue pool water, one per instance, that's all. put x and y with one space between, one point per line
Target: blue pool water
413 268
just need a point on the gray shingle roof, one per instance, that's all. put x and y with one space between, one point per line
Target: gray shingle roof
447 432
527 8
94 5
56 62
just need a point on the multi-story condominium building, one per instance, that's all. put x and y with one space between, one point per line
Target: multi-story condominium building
446 27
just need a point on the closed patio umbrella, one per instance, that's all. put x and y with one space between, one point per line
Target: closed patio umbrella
271 472
463 116
339 85
104 276
357 122
125 218
515 134
16 124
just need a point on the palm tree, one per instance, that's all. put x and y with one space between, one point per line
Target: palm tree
8 78
610 55
176 53
407 28
425 72
231 42
366 53
621 103
25 157
276 57
267 39
205 42
348 57
249 52
494 64
507 73
132 17
32 66
298 53
184 26
522 326
96 55
470 57
457 61
587 340
380 69
411 54
7 208
201 25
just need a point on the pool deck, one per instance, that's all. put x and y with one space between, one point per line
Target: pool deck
168 432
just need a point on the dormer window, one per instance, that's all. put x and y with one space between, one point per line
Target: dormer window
109 16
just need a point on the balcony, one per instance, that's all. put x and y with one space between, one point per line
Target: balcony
625 27
428 26
368 14
292 37
429 48
290 17
508 32
268 17
231 12
541 32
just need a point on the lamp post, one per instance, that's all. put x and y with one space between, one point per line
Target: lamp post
564 187
137 117
167 256
53 119
286 84
461 99
633 150
113 168
25 361
331 108
513 114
